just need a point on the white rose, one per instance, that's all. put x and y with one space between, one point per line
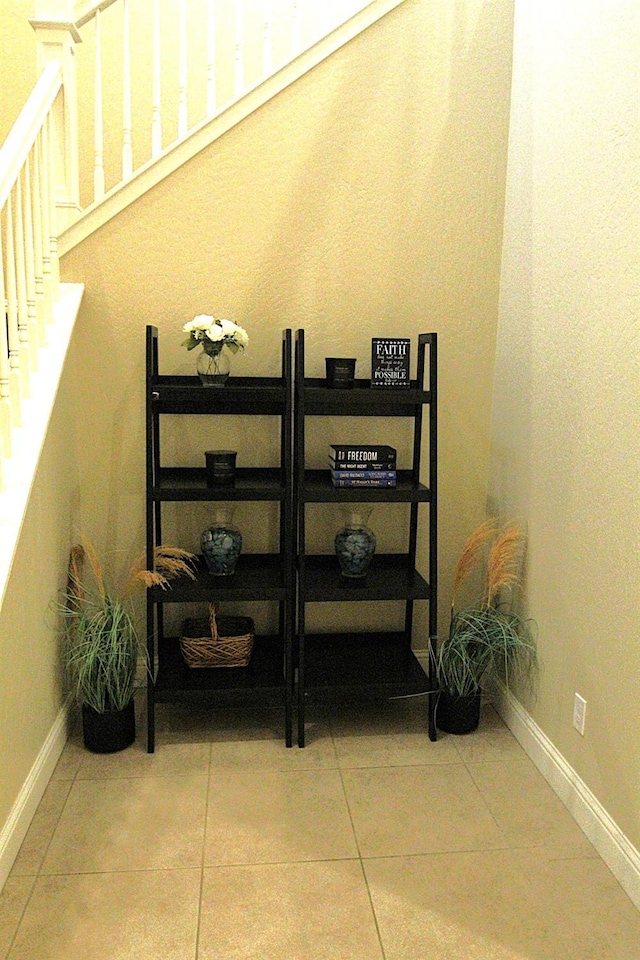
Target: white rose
228 327
201 322
235 332
214 332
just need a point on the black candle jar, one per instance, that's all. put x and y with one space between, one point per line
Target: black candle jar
341 372
221 467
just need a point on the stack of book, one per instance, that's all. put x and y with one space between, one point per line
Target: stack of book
362 465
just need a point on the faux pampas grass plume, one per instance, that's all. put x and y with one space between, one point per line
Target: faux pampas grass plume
504 547
96 568
78 589
174 561
470 554
502 563
170 562
75 591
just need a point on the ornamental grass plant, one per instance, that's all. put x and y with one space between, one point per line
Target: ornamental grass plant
101 647
488 635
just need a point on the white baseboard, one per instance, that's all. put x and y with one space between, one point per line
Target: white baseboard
618 853
15 829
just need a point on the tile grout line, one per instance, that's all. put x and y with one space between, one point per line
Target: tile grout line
360 858
202 855
119 872
36 876
21 917
485 803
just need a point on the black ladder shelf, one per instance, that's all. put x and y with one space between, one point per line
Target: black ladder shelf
268 679
371 665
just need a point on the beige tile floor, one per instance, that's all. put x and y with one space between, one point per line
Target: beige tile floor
372 843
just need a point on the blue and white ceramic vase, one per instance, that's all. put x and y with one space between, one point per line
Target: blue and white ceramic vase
221 543
356 544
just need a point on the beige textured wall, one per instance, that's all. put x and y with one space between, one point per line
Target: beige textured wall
17 60
30 677
565 449
365 200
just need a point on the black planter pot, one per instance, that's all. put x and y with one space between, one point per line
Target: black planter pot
108 732
457 714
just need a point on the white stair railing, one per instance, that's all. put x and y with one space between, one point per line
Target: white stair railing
98 137
29 279
211 58
202 56
127 132
156 99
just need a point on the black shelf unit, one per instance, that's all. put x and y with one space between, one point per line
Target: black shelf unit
268 678
372 665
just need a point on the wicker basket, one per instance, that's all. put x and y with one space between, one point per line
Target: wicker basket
217 641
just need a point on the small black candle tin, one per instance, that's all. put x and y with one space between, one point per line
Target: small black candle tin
341 372
221 467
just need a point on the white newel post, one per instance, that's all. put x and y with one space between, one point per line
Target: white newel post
56 40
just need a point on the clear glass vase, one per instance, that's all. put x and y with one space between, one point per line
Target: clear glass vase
355 544
221 543
213 365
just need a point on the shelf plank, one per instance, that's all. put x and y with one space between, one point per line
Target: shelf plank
318 488
390 577
190 483
246 395
258 576
362 664
362 400
263 676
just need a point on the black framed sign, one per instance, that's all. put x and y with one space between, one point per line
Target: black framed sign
390 362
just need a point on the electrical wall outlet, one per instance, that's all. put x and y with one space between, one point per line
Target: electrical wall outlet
579 713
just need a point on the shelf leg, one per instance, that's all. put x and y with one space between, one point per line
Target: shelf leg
432 698
151 717
288 717
301 686
288 675
300 711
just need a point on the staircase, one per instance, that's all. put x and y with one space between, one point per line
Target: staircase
155 104
128 92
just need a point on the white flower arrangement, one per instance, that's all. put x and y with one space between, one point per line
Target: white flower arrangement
214 334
